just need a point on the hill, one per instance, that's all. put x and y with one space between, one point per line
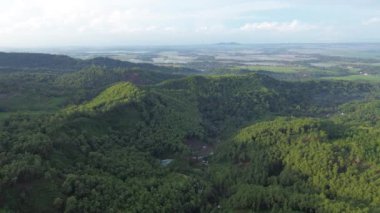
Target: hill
50 62
37 61
106 153
306 165
43 82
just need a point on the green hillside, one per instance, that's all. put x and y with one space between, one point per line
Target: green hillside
136 140
299 165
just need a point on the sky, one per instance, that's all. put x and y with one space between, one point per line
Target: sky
53 23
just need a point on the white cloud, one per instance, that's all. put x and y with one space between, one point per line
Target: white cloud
371 21
293 26
211 29
119 15
87 22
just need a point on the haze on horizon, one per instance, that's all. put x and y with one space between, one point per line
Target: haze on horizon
43 23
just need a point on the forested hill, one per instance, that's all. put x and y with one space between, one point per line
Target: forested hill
103 135
50 62
196 144
37 61
44 82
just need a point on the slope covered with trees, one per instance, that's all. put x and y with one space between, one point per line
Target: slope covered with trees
299 165
136 140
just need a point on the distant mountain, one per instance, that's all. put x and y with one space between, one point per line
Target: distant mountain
228 43
39 61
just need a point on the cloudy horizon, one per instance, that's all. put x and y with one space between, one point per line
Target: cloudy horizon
38 23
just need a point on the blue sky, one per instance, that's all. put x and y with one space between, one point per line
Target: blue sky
37 23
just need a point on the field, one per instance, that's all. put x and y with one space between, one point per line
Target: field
361 78
280 69
311 60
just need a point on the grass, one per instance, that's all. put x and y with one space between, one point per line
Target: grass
368 78
355 54
281 69
286 69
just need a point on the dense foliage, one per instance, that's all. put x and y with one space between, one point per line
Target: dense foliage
134 140
300 165
50 91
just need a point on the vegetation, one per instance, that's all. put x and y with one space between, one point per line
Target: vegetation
299 165
117 139
363 78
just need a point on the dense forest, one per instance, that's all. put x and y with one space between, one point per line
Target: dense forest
102 135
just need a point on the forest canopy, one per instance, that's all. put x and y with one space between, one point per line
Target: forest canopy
110 136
